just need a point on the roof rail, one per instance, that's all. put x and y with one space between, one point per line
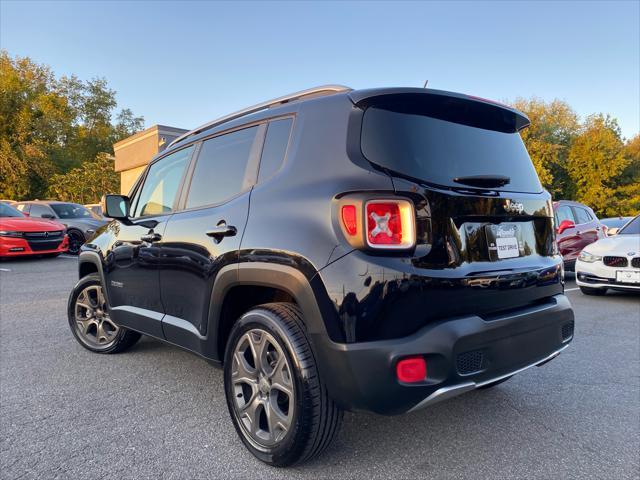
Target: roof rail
310 92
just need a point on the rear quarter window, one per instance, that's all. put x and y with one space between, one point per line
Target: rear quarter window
582 215
275 148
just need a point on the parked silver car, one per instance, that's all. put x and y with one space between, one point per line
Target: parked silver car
81 224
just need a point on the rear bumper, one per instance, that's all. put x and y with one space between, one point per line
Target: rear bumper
598 275
19 247
461 353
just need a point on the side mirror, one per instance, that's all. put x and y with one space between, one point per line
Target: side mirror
115 206
48 216
612 231
565 225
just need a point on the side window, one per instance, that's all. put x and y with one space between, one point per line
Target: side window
162 183
582 215
39 210
275 147
564 213
23 207
220 168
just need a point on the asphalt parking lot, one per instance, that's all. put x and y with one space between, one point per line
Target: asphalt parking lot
159 412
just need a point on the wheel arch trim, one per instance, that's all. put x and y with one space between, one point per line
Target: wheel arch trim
282 277
94 258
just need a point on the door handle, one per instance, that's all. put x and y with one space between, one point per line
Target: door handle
151 237
221 230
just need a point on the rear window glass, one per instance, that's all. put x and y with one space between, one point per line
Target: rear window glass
582 215
437 151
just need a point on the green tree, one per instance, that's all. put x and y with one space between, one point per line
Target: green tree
50 126
597 159
553 127
87 183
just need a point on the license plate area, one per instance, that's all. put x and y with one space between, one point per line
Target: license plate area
504 241
627 276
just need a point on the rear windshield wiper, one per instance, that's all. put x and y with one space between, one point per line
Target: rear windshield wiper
483 181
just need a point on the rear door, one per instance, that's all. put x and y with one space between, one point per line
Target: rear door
587 226
132 277
205 235
569 241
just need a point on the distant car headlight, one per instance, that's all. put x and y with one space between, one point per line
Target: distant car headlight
9 233
589 257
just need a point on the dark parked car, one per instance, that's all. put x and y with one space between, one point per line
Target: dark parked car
576 227
81 224
335 249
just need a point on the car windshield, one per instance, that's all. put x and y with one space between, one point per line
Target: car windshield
631 228
8 211
70 210
615 222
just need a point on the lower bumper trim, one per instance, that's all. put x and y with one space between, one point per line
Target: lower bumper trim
451 391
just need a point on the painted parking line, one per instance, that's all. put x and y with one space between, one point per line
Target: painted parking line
70 257
5 269
571 289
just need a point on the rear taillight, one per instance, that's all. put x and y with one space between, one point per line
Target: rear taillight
379 223
411 370
390 224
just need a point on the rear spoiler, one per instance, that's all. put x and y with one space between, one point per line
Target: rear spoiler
449 106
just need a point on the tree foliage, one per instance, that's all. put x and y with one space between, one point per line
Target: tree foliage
88 182
553 127
589 161
50 126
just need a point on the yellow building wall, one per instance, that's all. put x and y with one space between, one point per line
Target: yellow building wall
128 178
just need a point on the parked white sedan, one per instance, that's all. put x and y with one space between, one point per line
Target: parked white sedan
612 262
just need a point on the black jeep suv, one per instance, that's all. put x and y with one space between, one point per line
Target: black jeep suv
335 249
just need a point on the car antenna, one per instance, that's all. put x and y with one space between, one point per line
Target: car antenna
425 83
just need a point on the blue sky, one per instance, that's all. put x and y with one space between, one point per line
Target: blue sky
184 63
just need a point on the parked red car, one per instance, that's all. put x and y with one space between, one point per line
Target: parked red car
21 235
576 227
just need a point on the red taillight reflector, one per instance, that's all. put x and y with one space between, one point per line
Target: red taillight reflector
390 224
384 226
349 219
411 370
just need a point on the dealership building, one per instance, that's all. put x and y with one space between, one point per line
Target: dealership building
134 153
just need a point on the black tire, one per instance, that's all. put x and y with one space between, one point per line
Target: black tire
494 384
315 419
593 291
76 240
120 339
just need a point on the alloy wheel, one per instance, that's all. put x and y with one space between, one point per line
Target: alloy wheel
93 323
262 387
75 242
